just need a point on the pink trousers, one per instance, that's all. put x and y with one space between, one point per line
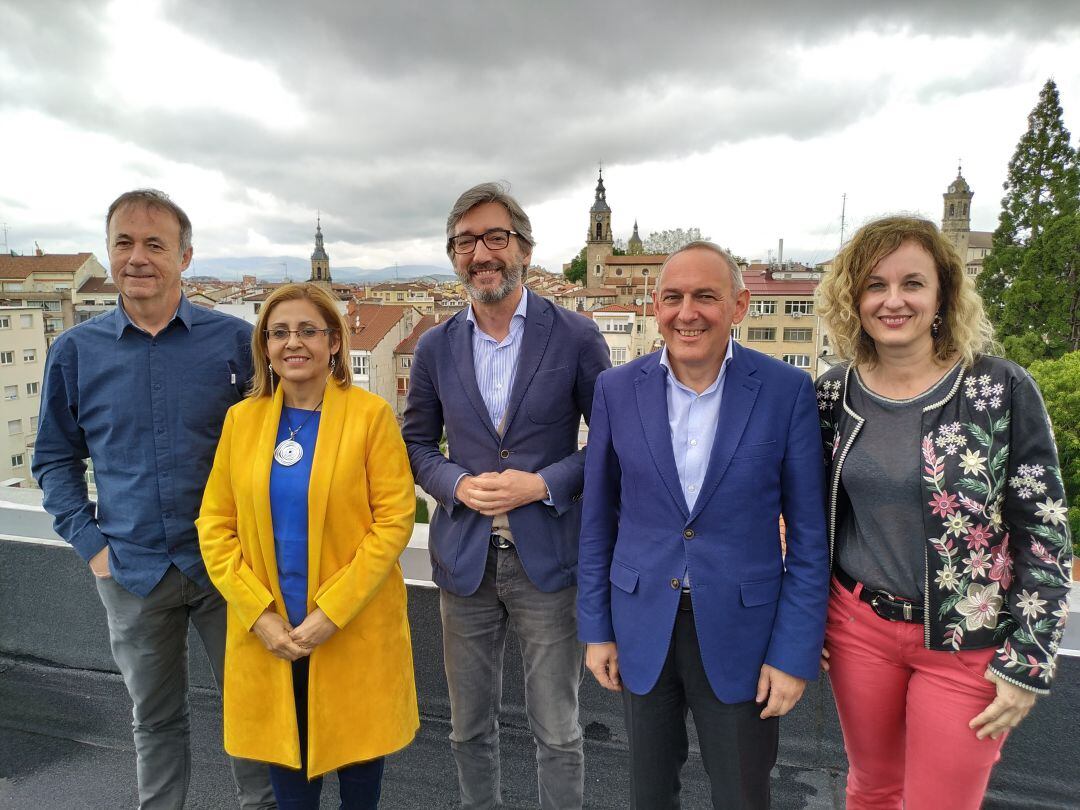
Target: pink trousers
904 711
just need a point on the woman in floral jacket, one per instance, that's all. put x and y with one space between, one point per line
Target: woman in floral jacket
947 524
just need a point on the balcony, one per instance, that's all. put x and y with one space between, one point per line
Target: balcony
66 721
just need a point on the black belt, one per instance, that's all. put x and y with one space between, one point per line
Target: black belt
685 604
883 603
500 542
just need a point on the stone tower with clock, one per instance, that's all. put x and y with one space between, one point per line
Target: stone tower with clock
599 243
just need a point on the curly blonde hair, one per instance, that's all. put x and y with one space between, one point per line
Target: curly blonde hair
965 330
262 382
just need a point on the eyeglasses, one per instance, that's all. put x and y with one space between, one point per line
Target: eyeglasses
305 334
495 239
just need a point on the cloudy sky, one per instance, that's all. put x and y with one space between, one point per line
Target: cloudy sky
749 120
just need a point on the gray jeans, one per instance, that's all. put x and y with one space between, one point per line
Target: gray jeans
474 639
150 646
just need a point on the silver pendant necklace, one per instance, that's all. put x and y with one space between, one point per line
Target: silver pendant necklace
288 451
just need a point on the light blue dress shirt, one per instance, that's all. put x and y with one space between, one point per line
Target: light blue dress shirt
692 419
495 362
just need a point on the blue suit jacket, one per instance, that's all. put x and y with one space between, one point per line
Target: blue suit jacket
561 355
751 604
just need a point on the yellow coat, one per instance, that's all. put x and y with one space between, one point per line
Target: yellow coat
361 505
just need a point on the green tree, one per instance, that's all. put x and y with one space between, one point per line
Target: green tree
1029 279
576 271
1059 381
671 240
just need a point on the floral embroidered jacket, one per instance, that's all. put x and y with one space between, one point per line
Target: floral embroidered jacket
997 550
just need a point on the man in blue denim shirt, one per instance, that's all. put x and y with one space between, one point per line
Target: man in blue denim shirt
143 391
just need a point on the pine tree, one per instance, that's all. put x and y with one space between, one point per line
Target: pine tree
1029 279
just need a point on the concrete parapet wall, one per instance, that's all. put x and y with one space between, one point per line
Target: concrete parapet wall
52 615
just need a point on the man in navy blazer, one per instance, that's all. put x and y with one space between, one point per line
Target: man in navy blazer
508 379
686 601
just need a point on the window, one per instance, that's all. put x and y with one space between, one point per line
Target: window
759 307
618 355
33 424
406 362
14 427
18 460
798 308
32 389
11 392
736 332
402 386
54 325
5 322
29 355
797 360
360 364
798 335
26 321
7 358
761 333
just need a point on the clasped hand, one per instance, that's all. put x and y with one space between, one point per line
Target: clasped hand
291 643
493 493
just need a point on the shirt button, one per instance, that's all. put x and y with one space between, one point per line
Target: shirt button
688 534
160 430
167 515
504 454
693 442
157 386
692 488
675 584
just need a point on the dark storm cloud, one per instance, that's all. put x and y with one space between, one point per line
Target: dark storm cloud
407 103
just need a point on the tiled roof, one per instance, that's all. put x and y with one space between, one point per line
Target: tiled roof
625 308
376 321
408 345
981 239
647 258
98 284
592 292
23 266
763 285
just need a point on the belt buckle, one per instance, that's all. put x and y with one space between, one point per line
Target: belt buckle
500 542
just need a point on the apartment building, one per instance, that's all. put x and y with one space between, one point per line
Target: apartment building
781 321
48 282
22 361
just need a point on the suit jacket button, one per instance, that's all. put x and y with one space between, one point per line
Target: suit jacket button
675 584
688 534
504 454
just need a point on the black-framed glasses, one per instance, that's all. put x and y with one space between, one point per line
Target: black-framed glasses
305 334
495 239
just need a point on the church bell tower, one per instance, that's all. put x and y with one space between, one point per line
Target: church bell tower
320 262
598 242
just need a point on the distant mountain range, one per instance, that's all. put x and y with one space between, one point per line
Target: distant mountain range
274 268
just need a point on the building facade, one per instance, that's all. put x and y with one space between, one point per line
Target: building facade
22 362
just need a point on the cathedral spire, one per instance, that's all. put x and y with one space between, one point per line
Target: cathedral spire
320 261
600 203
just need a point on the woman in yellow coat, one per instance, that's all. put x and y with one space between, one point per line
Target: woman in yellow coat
308 507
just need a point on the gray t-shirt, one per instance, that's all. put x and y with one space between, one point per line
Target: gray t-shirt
881 542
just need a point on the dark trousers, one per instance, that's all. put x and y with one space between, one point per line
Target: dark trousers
738 748
360 784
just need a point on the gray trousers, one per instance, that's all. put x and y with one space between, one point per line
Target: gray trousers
150 645
474 638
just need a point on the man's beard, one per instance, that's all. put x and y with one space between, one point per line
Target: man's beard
511 279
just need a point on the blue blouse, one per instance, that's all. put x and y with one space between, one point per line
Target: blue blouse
289 511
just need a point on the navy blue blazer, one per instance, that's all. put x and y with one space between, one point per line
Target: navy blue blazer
561 355
752 605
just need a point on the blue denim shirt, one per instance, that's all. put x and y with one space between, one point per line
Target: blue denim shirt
148 410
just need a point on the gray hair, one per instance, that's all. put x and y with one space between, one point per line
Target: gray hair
489 193
737 285
152 198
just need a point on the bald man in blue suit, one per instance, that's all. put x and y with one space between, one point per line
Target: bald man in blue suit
685 599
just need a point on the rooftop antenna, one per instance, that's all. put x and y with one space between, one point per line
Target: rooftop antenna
843 220
7 252
285 272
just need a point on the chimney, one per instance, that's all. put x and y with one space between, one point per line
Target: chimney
37 250
780 261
